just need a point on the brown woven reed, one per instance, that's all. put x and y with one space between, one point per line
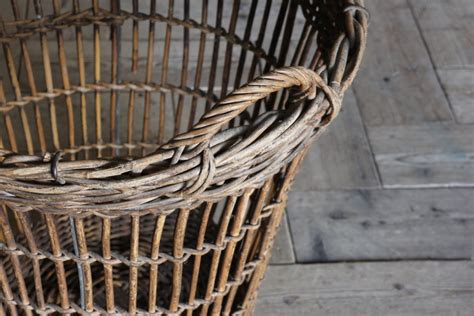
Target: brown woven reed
115 198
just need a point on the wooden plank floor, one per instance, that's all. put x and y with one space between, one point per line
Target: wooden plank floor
392 180
381 217
408 288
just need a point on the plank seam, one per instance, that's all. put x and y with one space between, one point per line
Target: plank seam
433 65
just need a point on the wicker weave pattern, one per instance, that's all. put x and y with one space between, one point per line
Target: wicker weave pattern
96 219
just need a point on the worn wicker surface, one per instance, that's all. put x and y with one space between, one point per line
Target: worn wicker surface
102 210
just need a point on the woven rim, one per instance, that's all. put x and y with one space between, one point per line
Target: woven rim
205 163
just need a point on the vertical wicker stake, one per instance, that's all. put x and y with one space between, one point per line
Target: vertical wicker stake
116 72
65 79
48 78
155 246
199 63
215 52
80 272
206 214
133 279
82 80
97 78
108 269
136 225
178 252
148 77
164 74
184 71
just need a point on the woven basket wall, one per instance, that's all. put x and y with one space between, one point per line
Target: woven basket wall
147 147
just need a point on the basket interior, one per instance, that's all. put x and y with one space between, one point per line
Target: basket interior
144 72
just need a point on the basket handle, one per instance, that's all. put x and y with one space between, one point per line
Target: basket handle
225 110
239 100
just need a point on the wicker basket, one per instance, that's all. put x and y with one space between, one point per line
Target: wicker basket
115 196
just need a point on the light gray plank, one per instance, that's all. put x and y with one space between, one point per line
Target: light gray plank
459 85
424 155
434 138
374 288
448 28
382 224
396 84
282 251
341 158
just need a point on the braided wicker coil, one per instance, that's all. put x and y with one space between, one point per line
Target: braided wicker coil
137 174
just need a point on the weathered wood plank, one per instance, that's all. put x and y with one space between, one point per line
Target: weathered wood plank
424 155
373 288
397 84
282 252
459 85
448 28
435 138
382 224
341 158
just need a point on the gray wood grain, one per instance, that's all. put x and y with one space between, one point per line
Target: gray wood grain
397 84
374 288
382 224
448 28
424 155
282 252
341 158
459 86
